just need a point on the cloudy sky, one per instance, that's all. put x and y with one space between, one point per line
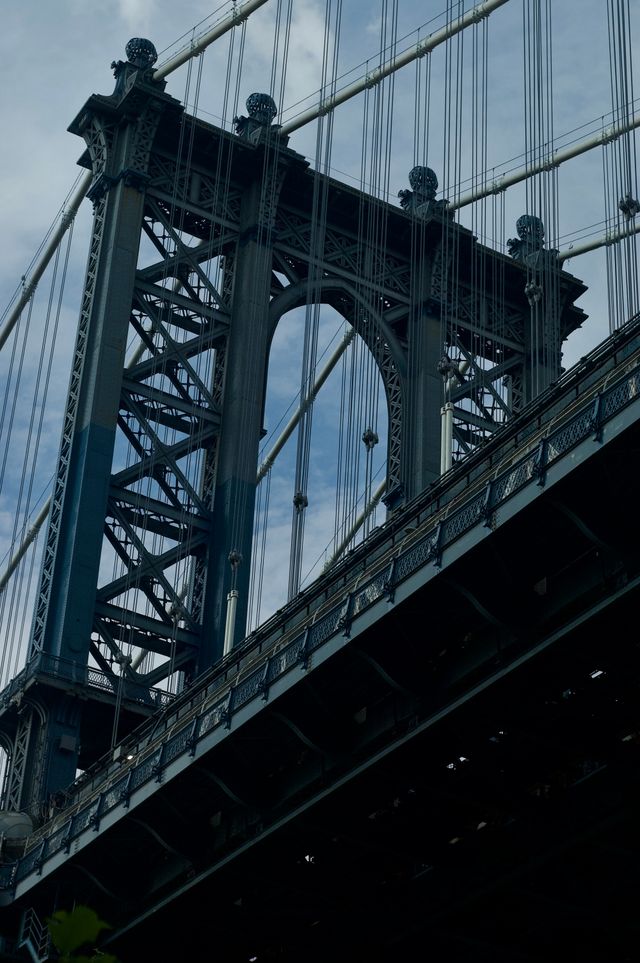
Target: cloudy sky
55 54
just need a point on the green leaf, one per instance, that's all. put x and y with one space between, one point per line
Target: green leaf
70 931
98 958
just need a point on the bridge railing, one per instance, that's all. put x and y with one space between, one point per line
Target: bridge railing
249 676
66 672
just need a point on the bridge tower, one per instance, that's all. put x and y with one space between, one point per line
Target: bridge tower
202 239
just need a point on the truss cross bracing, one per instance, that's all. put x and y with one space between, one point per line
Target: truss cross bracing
202 240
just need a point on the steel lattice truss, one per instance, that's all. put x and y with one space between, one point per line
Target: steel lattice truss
160 498
202 240
158 520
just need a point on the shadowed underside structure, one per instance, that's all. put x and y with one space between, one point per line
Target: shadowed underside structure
411 758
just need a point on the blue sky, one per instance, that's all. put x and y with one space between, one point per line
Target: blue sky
53 56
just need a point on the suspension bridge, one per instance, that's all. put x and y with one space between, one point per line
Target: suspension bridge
432 742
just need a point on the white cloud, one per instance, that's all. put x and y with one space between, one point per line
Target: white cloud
137 14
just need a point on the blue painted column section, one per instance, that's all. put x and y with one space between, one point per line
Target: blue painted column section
242 408
119 132
75 579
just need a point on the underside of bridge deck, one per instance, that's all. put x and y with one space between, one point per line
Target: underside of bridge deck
461 779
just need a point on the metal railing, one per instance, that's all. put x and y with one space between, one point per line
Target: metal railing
75 673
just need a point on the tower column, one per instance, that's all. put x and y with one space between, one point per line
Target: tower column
421 422
119 131
542 329
242 403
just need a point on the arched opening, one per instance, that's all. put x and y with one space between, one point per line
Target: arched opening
346 464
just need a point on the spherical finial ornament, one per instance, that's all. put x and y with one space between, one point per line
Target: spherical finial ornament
141 53
530 228
423 181
261 107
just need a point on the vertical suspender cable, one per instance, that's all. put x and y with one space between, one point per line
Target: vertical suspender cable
318 228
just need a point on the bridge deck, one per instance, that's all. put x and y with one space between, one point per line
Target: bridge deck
415 751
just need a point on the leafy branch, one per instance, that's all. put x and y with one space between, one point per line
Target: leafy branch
74 935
